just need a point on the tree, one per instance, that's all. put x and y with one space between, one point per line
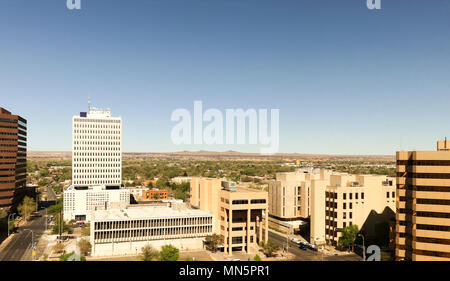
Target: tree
257 258
148 253
59 248
72 256
57 228
169 253
85 247
212 241
270 248
86 231
348 237
27 207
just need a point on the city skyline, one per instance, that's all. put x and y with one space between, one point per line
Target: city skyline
347 80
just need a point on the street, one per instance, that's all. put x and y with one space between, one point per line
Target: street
308 255
21 241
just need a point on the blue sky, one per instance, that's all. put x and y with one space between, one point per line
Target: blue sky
347 80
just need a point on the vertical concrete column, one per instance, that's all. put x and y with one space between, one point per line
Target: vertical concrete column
230 247
259 222
266 225
248 230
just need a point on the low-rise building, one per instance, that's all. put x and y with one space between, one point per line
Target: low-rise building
362 200
81 201
240 214
124 231
154 195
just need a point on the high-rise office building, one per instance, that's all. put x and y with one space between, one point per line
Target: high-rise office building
96 148
13 158
423 204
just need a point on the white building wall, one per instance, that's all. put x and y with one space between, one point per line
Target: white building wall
83 202
96 148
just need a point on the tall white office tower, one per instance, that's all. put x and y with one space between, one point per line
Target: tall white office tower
96 148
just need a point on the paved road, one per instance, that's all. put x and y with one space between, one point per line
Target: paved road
21 241
300 255
309 255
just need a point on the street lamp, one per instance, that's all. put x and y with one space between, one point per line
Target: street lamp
364 247
32 241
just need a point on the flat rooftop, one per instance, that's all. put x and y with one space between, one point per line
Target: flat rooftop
147 212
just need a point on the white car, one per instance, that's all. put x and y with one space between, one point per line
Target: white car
295 240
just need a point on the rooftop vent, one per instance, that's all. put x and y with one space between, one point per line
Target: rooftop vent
229 185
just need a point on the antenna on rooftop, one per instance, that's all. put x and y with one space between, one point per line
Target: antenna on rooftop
89 104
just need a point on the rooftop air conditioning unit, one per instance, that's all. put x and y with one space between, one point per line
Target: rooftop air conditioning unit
229 185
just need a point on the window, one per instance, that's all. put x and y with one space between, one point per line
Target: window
344 206
356 195
258 201
351 205
393 194
344 196
350 196
344 215
387 194
362 195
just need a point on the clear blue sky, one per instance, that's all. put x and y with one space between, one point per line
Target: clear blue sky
347 80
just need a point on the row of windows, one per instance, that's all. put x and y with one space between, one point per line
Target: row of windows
90 159
153 223
98 132
425 175
91 120
143 234
96 154
96 165
95 126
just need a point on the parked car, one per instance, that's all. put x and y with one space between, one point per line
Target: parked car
313 247
295 240
303 247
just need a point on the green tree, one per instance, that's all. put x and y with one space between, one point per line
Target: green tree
63 228
213 241
148 253
270 248
70 257
348 237
85 247
169 253
86 231
27 207
257 258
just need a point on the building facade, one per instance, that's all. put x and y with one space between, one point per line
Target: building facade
362 200
423 205
81 201
96 148
290 193
240 214
124 231
154 195
13 159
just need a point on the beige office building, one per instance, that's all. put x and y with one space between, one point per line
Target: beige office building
289 194
362 200
423 204
240 214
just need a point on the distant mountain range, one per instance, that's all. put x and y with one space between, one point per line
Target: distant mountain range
213 155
